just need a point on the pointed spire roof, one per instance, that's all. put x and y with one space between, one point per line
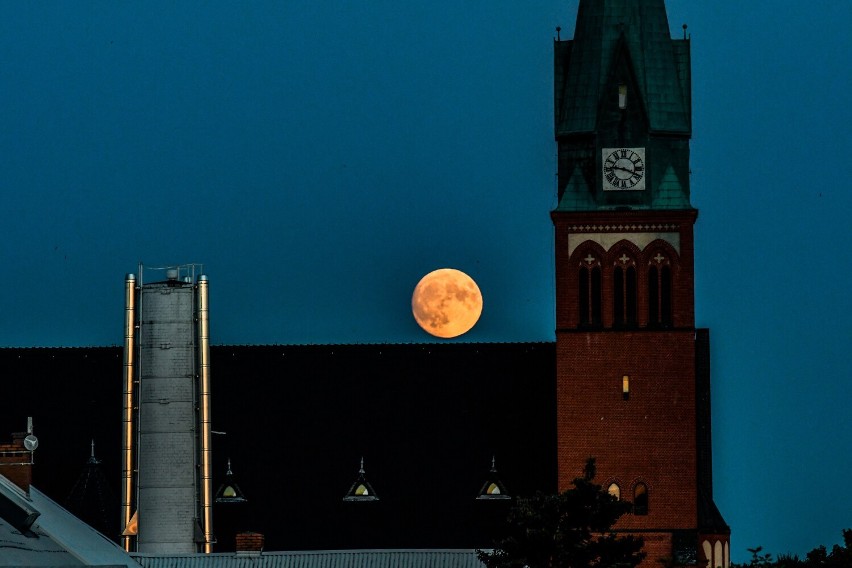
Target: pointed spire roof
91 498
361 490
493 488
229 491
637 30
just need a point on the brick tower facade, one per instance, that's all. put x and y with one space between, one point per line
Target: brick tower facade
632 369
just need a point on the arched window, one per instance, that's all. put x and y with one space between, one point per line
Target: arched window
589 287
640 499
624 291
708 553
659 291
614 490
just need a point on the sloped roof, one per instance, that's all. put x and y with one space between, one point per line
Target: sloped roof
56 538
640 27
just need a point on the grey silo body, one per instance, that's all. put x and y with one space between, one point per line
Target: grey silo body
168 486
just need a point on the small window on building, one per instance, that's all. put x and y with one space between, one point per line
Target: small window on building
708 553
625 387
624 292
640 499
660 292
589 288
493 489
614 490
362 491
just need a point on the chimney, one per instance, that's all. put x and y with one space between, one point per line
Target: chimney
249 543
16 462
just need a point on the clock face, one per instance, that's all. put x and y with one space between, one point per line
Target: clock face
623 169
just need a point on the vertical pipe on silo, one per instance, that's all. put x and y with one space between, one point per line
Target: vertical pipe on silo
206 450
127 425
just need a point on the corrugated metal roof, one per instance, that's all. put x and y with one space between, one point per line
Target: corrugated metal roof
319 559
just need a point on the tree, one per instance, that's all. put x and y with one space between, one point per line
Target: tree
839 557
820 557
568 530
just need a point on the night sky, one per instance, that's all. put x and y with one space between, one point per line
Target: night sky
320 157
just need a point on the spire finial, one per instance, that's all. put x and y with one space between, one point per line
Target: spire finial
229 472
92 458
361 471
558 29
493 464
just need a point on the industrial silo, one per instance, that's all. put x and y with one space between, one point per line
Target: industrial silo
166 488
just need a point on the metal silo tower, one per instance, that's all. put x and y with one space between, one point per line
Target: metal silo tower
167 504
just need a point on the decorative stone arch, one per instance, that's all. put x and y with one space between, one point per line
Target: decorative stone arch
589 258
661 264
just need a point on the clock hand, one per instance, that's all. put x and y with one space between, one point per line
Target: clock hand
623 169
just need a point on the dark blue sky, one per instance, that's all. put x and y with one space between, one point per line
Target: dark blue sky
320 157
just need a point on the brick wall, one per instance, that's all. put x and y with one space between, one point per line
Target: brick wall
249 541
650 437
16 462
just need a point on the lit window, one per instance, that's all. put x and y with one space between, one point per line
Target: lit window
708 553
229 492
362 491
640 499
493 489
614 490
625 387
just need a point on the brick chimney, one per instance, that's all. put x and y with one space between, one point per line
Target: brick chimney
249 543
16 462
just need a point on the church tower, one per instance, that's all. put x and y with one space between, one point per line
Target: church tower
633 387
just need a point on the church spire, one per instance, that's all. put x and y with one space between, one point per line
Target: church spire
622 109
607 30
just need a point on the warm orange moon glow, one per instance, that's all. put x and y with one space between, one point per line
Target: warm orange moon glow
446 303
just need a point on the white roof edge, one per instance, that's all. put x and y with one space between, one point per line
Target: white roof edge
79 539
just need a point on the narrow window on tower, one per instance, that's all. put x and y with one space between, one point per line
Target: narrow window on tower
640 499
653 296
624 292
596 295
589 292
630 294
666 295
625 387
660 292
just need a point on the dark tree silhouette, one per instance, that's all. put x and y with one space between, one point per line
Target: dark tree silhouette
569 530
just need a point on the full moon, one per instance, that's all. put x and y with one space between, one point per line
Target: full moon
446 303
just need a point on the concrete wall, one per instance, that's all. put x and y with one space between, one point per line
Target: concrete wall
167 419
